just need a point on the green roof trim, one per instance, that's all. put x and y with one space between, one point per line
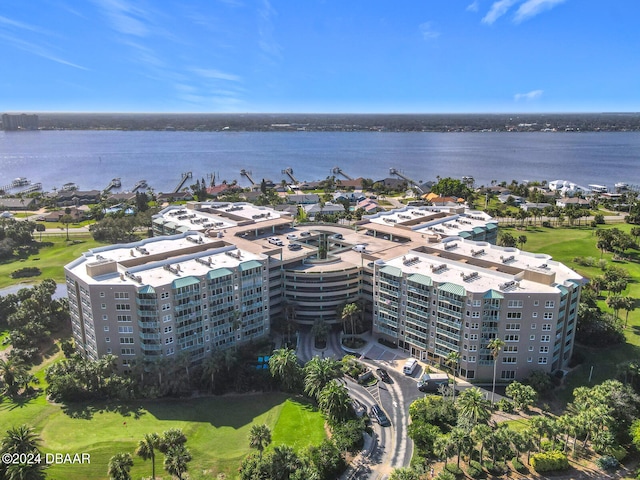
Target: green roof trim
491 226
184 282
493 294
464 234
393 271
478 230
421 279
147 289
249 265
563 289
453 288
218 273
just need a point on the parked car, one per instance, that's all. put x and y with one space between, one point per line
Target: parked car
337 236
384 375
358 407
431 382
291 236
380 416
295 246
305 234
276 241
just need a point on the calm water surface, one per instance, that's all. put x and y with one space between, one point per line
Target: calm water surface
91 158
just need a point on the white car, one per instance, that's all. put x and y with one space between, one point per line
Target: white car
292 236
276 241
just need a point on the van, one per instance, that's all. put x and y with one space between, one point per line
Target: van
431 382
410 366
359 248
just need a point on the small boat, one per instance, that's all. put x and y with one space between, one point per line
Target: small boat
20 182
622 186
67 187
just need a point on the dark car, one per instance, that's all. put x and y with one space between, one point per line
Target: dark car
384 375
380 416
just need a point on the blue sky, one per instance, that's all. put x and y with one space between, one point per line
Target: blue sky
368 56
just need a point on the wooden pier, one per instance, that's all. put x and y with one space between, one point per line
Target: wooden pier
183 179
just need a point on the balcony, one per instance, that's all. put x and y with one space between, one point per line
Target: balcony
151 347
150 336
148 325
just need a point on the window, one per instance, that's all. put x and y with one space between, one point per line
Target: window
544 349
549 304
532 338
508 374
475 314
546 327
530 359
533 326
545 338
108 351
475 326
107 339
512 338
512 326
123 306
170 351
168 340
126 340
166 306
473 348
548 315
531 348
164 295
166 318
124 318
127 351
510 349
536 303
509 359
101 294
106 328
477 303
514 304
473 336
534 315
121 295
514 315
542 360
168 329
103 306
126 329
472 359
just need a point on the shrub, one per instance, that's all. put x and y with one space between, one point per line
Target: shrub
549 461
445 475
607 462
518 466
453 468
26 272
506 406
619 453
475 470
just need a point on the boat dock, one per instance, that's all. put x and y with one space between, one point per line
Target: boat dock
339 171
394 171
183 179
247 173
114 183
19 183
139 184
289 171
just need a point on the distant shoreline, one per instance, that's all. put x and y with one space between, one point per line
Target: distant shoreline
278 122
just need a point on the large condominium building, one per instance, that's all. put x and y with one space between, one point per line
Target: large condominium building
218 273
458 295
167 295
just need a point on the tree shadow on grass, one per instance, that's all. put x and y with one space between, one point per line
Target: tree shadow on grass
233 411
86 411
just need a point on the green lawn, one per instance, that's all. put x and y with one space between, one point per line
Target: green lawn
217 429
564 244
50 260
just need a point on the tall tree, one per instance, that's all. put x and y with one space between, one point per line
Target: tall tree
283 365
495 345
348 313
176 460
474 406
119 466
147 450
259 438
334 401
318 373
452 361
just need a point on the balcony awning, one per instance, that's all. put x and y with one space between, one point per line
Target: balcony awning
393 271
184 282
249 265
218 273
421 279
146 289
453 288
493 294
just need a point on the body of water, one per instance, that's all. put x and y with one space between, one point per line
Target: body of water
91 159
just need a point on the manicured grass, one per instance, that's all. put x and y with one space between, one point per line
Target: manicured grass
217 429
50 260
564 244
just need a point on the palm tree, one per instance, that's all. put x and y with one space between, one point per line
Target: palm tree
473 405
452 361
147 450
495 345
461 442
348 313
11 371
259 438
284 462
212 366
318 373
22 439
283 364
334 401
119 466
479 434
628 305
175 461
172 439
404 473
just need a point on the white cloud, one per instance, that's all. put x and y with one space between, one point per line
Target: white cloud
529 96
473 7
497 10
212 73
427 31
531 8
125 17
